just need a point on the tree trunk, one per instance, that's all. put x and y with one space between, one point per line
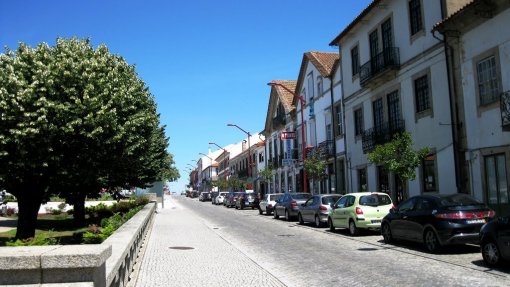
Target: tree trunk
79 209
27 215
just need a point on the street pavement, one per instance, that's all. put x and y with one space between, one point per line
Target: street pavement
183 251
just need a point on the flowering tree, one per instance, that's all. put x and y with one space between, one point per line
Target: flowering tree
75 119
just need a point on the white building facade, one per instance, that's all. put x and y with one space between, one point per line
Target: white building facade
480 68
394 79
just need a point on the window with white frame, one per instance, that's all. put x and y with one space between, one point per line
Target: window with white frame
415 17
355 62
422 94
339 120
488 87
358 122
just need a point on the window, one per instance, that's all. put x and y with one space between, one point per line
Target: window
387 35
421 92
358 122
377 109
319 86
339 120
415 16
429 173
394 120
310 85
355 63
487 80
496 181
329 132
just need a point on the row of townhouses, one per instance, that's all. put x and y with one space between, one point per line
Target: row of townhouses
437 69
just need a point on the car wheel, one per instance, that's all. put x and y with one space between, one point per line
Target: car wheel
386 233
242 207
490 253
300 219
275 214
330 224
260 211
318 222
431 241
353 230
287 216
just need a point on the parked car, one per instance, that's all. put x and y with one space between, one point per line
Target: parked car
495 241
437 220
359 210
204 196
230 199
214 194
267 203
288 205
245 199
220 198
316 209
193 194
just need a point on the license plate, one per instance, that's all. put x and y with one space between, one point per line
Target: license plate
475 221
376 221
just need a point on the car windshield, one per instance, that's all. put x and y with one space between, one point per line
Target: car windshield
301 196
459 200
375 200
274 197
327 200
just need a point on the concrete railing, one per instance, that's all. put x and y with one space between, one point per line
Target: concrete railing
98 265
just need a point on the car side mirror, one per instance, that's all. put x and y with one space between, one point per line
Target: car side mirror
302 204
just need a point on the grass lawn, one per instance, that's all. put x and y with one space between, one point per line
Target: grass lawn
57 226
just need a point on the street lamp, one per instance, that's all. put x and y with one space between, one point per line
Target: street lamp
210 167
302 102
249 147
224 151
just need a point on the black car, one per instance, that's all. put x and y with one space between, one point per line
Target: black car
230 199
437 220
245 199
495 241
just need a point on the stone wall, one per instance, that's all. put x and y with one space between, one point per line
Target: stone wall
98 265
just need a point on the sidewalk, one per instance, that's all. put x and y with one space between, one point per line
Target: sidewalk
183 251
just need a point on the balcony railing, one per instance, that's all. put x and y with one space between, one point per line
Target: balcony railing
387 59
505 111
380 135
279 121
326 149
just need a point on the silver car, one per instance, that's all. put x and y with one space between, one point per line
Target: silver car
267 203
288 205
316 209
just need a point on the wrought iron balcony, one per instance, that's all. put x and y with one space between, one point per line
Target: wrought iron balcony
380 135
387 59
505 111
326 149
279 120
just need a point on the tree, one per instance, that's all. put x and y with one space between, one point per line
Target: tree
266 175
75 119
399 157
315 167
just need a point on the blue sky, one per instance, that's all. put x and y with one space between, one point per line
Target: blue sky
206 62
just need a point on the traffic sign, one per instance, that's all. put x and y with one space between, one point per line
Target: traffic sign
287 161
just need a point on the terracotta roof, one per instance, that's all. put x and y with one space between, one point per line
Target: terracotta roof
285 96
355 22
323 61
439 26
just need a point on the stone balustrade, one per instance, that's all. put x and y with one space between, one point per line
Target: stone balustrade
98 265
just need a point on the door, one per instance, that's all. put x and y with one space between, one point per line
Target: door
346 212
387 42
377 108
374 50
497 183
340 208
399 224
307 208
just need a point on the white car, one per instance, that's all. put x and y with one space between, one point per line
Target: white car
268 202
220 198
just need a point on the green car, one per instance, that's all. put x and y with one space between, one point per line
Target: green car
359 210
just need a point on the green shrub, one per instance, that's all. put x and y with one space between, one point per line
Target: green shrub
56 211
70 211
122 207
62 206
56 199
38 240
141 200
92 238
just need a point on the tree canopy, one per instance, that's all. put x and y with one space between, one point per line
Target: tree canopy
75 119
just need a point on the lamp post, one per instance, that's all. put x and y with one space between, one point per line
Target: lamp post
302 101
225 152
249 147
210 167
